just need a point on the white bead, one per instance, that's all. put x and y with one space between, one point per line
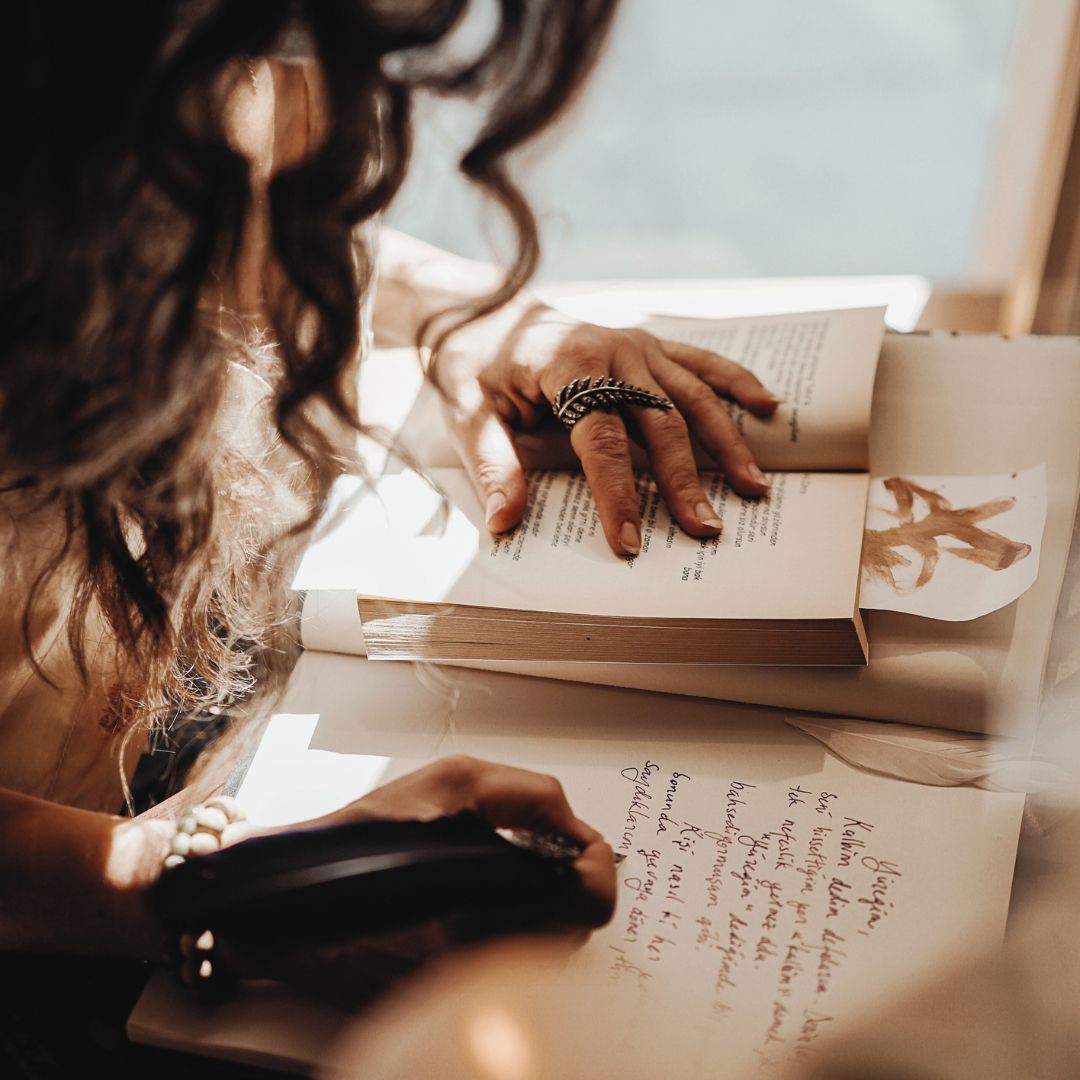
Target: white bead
205 941
210 817
173 859
187 824
180 844
237 830
202 843
228 806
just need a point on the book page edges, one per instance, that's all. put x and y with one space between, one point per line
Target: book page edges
408 631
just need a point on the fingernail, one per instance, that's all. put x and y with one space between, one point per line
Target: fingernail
707 516
496 502
774 400
630 538
759 476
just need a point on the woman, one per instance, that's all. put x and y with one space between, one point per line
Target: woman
186 265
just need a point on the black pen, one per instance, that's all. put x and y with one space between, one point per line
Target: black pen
550 845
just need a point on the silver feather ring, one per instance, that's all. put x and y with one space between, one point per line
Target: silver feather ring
582 396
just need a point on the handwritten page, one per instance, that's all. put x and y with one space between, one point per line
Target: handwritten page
792 555
952 547
773 911
770 893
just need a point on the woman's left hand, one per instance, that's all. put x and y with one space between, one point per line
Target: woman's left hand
501 373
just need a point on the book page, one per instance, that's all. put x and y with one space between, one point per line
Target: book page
821 365
770 892
791 555
952 547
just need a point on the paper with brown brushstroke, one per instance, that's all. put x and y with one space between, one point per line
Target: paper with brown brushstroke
952 547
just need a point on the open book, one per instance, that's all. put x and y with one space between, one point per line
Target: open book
779 586
944 405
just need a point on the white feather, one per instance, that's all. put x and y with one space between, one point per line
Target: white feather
931 756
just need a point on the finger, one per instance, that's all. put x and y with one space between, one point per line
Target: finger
487 449
596 872
671 458
724 376
667 440
713 427
502 794
599 439
508 796
505 795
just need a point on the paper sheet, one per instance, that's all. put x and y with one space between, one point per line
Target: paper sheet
770 891
943 547
952 547
792 555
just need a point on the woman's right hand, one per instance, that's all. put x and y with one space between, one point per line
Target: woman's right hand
356 970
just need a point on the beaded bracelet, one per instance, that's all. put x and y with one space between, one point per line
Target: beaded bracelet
199 832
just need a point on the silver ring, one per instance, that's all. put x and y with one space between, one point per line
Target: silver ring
582 396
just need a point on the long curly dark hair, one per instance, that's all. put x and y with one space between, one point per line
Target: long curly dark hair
122 214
